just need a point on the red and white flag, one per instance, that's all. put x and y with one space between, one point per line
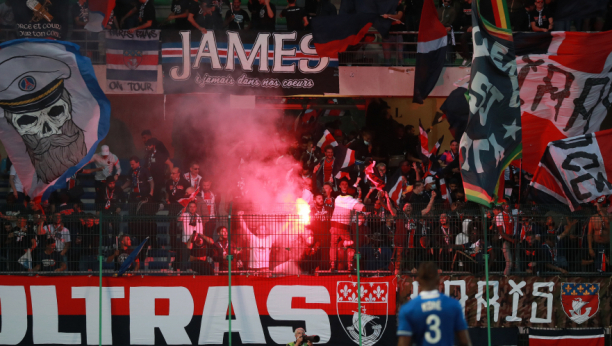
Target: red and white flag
326 140
186 200
567 337
423 138
565 82
574 170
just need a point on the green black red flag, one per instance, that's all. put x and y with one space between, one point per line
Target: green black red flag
492 137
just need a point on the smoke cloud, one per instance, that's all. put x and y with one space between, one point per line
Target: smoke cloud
245 152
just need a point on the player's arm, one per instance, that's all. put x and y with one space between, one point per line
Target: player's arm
463 338
405 341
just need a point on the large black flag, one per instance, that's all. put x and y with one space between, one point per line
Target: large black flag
492 138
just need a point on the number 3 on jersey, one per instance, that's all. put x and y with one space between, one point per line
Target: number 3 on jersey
433 335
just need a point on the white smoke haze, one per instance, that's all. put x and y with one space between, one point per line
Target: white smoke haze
247 147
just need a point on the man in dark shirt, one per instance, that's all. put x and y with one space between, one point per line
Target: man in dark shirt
541 18
86 240
155 162
80 13
17 242
180 11
146 15
197 15
263 15
49 260
110 198
319 8
122 253
296 16
176 187
141 183
236 18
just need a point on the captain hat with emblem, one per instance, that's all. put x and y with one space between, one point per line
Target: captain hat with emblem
31 83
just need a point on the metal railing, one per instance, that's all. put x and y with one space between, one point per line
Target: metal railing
518 242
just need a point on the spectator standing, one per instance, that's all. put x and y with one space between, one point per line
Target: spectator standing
105 163
80 14
193 177
319 8
541 18
49 260
263 15
155 161
179 12
296 16
141 183
319 224
18 242
447 14
259 243
109 200
599 236
324 170
450 155
198 13
413 14
505 229
60 234
464 23
16 186
222 250
341 219
146 16
393 42
237 19
176 188
192 234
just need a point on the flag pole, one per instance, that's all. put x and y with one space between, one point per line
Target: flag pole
100 285
229 272
486 257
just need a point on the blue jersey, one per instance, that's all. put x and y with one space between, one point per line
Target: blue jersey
431 319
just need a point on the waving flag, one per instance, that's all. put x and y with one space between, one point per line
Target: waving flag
395 186
457 112
423 138
186 200
131 258
575 170
431 52
374 176
100 12
326 140
333 34
53 112
438 118
344 161
433 165
492 137
565 79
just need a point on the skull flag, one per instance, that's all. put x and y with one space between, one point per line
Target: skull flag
53 112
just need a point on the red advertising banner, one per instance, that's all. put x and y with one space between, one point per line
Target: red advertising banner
193 310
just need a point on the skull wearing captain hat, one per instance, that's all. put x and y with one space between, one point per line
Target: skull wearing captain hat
37 104
27 91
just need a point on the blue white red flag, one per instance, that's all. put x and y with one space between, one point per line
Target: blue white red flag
326 140
131 61
53 112
395 186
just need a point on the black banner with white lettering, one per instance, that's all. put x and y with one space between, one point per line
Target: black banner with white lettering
41 18
194 63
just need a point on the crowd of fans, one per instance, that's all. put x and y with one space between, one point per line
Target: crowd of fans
349 215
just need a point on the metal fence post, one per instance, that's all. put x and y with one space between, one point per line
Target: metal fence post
101 222
229 272
486 257
357 258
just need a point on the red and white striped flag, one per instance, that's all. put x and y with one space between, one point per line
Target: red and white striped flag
424 140
186 200
326 140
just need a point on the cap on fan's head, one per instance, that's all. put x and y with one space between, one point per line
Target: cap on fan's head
429 180
34 89
104 150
